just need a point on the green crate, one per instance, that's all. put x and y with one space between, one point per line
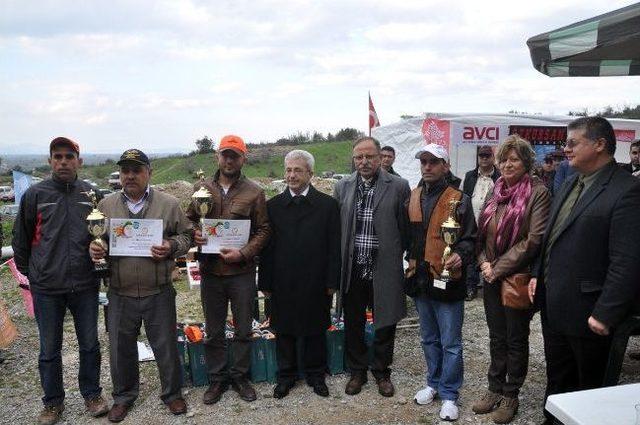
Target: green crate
258 360
335 351
272 363
197 364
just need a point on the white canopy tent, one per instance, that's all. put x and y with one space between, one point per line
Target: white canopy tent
461 134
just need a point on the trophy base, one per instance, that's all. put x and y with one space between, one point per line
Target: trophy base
101 271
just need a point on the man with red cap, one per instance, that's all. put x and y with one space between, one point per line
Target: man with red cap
230 277
51 247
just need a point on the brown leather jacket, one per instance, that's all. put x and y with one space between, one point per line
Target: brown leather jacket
520 256
244 200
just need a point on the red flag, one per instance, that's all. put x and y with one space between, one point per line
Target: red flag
373 116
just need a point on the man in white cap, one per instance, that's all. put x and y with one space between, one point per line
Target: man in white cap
439 301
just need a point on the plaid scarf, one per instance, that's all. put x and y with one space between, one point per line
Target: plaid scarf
366 241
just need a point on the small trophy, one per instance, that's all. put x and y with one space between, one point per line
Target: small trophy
97 225
202 200
449 231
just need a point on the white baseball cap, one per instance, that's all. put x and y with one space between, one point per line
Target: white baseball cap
434 149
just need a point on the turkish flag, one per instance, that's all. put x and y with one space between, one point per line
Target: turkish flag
373 116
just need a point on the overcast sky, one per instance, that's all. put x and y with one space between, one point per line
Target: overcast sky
159 74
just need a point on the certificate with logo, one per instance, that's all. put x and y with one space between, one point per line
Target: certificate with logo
222 233
133 237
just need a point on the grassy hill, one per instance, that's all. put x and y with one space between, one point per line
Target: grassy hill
264 161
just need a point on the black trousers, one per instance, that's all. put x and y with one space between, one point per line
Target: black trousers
573 363
356 301
508 343
126 315
314 357
216 293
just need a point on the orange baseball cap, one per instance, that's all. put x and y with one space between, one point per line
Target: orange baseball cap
234 143
64 141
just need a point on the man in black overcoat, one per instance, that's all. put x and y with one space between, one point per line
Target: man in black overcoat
300 271
587 273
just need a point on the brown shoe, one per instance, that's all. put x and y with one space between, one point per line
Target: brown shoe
487 403
214 392
50 414
118 412
177 406
96 406
244 389
354 386
385 387
506 411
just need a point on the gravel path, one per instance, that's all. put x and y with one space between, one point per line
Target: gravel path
20 390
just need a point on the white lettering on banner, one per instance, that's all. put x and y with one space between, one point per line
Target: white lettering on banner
478 134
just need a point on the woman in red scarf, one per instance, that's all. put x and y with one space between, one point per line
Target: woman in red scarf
510 232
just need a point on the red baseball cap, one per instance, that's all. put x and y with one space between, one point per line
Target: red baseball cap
234 143
66 142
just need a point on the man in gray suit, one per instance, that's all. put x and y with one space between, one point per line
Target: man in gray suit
375 234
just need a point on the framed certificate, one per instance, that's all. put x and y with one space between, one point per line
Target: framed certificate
132 237
222 233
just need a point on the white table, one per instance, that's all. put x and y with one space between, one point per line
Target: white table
602 406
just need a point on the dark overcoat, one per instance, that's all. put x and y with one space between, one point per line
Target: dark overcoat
301 261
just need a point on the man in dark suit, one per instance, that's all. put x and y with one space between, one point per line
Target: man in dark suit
300 271
375 234
477 184
634 157
587 273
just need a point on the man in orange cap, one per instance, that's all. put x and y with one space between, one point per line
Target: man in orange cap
231 275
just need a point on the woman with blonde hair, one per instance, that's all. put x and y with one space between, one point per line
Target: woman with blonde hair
510 231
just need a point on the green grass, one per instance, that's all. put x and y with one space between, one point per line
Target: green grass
334 156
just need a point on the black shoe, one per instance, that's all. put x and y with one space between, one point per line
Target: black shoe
244 389
471 294
320 388
282 389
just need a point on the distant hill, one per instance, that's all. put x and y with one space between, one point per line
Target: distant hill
263 161
29 162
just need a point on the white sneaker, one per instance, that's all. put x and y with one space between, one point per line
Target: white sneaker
425 396
449 411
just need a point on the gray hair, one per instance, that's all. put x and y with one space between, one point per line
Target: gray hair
303 155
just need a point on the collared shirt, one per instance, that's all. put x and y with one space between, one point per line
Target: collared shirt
304 192
136 206
483 185
366 240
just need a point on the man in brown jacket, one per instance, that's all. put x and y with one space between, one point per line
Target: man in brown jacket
140 290
231 275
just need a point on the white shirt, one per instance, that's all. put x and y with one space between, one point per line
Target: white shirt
483 185
136 206
304 192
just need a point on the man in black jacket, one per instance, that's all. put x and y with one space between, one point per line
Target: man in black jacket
634 159
300 269
477 184
51 247
587 273
440 303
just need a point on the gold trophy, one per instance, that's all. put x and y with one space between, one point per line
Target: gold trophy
97 226
202 200
449 231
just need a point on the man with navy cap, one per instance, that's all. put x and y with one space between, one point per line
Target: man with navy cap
141 290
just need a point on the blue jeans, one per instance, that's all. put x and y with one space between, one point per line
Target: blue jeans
441 331
50 311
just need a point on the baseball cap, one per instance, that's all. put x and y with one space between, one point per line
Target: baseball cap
234 143
485 149
66 142
134 155
434 149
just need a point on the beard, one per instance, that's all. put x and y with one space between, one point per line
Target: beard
232 175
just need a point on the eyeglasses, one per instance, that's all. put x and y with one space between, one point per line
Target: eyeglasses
60 156
431 161
369 158
484 155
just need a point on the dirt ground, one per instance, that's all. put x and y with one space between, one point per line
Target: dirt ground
20 390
